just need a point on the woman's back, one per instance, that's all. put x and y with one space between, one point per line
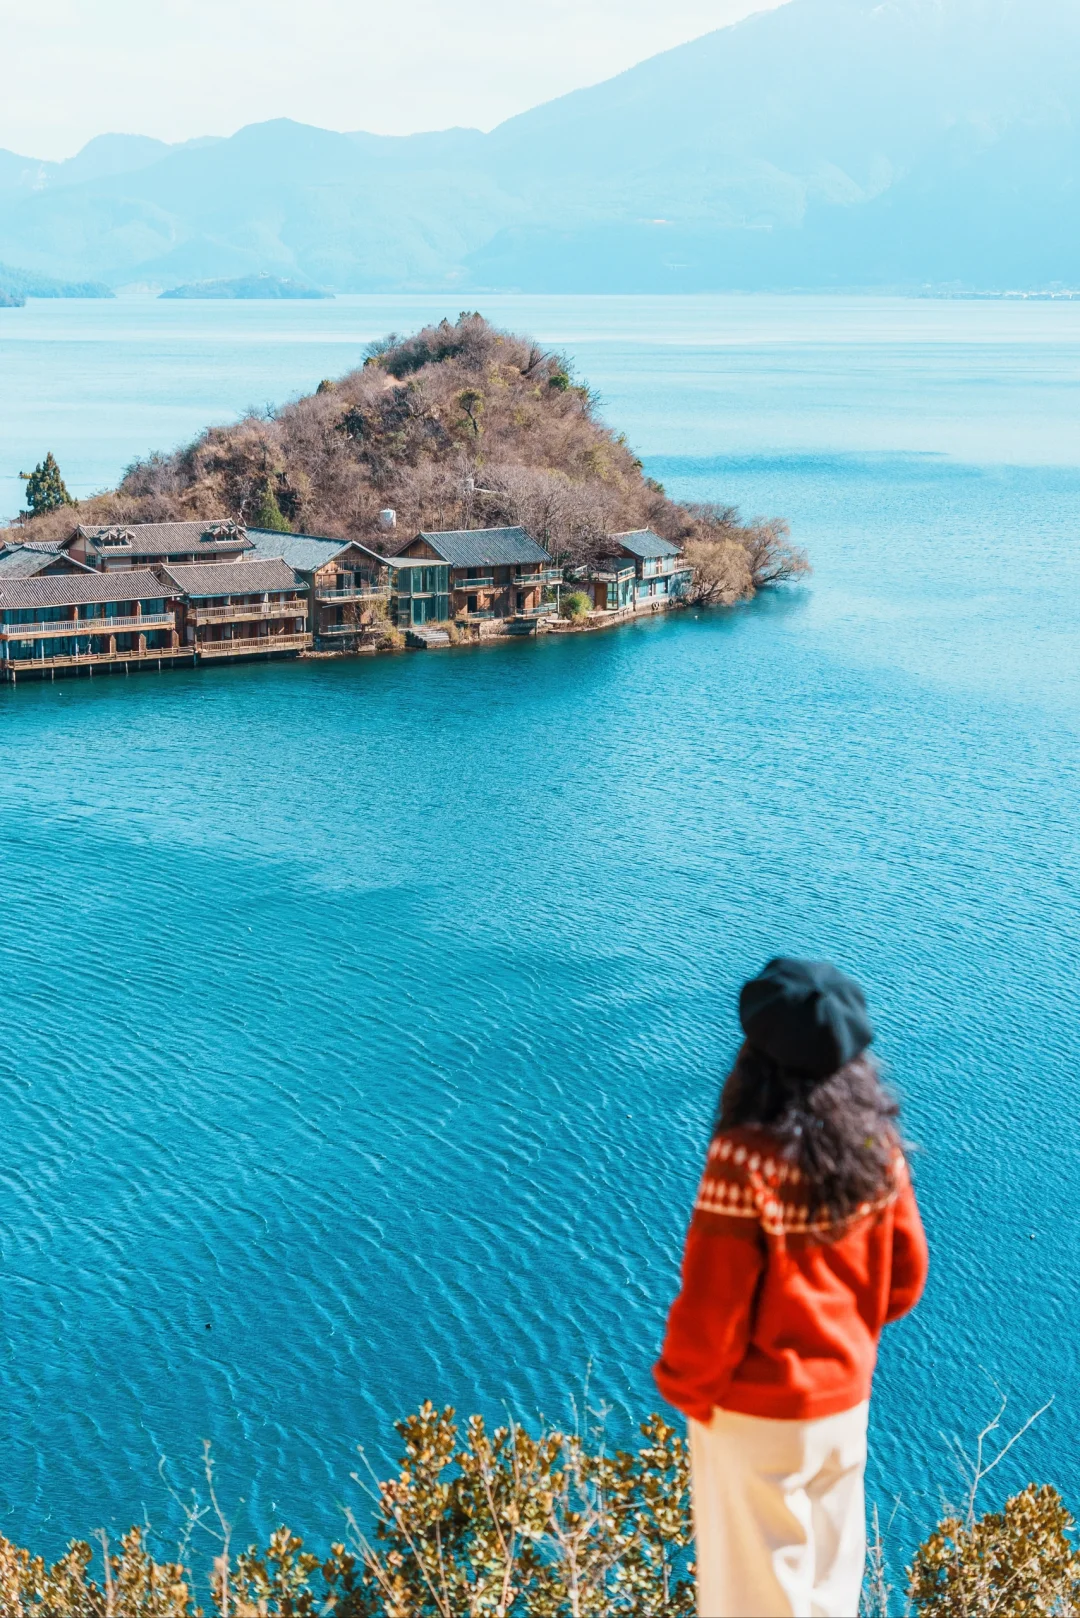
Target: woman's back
781 1309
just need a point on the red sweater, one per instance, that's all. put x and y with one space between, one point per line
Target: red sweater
778 1316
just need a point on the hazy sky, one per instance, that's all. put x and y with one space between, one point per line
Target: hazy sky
176 68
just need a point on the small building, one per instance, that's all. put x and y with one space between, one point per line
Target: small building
149 544
68 622
348 585
493 572
643 572
240 609
37 559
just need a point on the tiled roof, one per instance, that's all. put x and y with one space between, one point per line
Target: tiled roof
644 543
485 547
303 551
78 589
161 538
232 578
24 561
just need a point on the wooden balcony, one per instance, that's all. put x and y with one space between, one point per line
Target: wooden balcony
377 592
247 612
13 666
267 644
87 626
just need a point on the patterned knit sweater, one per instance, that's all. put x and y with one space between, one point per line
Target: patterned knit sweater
780 1315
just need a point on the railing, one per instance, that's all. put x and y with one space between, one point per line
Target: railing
237 612
546 609
260 643
474 617
377 592
161 654
610 576
86 626
473 584
526 580
342 629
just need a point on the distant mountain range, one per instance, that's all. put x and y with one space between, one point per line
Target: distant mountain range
828 143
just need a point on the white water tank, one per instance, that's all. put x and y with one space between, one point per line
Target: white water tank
388 518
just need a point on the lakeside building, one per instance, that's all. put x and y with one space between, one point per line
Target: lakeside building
240 609
493 573
149 543
41 559
87 620
349 586
643 573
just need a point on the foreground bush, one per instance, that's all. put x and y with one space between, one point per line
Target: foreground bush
505 1525
499 1524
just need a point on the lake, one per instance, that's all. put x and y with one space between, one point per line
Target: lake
364 1019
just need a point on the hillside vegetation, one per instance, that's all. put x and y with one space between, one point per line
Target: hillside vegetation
458 426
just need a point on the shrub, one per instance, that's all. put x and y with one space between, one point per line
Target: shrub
576 605
501 1524
1015 1562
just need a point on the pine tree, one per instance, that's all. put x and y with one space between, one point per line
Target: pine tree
267 513
45 488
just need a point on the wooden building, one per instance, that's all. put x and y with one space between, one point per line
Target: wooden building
493 573
642 573
86 620
348 585
240 609
37 559
150 544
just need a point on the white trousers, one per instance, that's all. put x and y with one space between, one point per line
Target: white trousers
779 1515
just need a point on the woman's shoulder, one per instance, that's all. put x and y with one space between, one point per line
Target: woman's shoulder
748 1153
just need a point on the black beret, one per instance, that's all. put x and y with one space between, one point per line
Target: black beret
806 1015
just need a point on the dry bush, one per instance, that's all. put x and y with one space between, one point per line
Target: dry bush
1020 1562
460 425
500 1524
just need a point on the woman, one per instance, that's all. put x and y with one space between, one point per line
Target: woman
805 1240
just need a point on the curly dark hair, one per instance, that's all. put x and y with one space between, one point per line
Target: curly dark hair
840 1131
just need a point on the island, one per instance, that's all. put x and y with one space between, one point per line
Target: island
247 286
457 485
18 285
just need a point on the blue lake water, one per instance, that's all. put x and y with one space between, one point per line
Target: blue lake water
363 1020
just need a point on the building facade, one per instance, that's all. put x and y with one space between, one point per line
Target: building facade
117 547
492 572
87 620
349 586
240 609
642 572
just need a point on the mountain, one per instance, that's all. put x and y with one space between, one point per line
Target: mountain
825 143
18 285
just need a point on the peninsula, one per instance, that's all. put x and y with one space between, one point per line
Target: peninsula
459 484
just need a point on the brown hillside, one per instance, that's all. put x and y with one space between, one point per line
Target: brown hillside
459 426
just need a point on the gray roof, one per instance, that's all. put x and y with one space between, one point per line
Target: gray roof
78 589
306 552
161 538
232 578
25 561
644 543
485 547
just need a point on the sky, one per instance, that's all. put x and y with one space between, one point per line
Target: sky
72 69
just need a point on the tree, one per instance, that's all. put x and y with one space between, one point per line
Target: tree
266 513
45 488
